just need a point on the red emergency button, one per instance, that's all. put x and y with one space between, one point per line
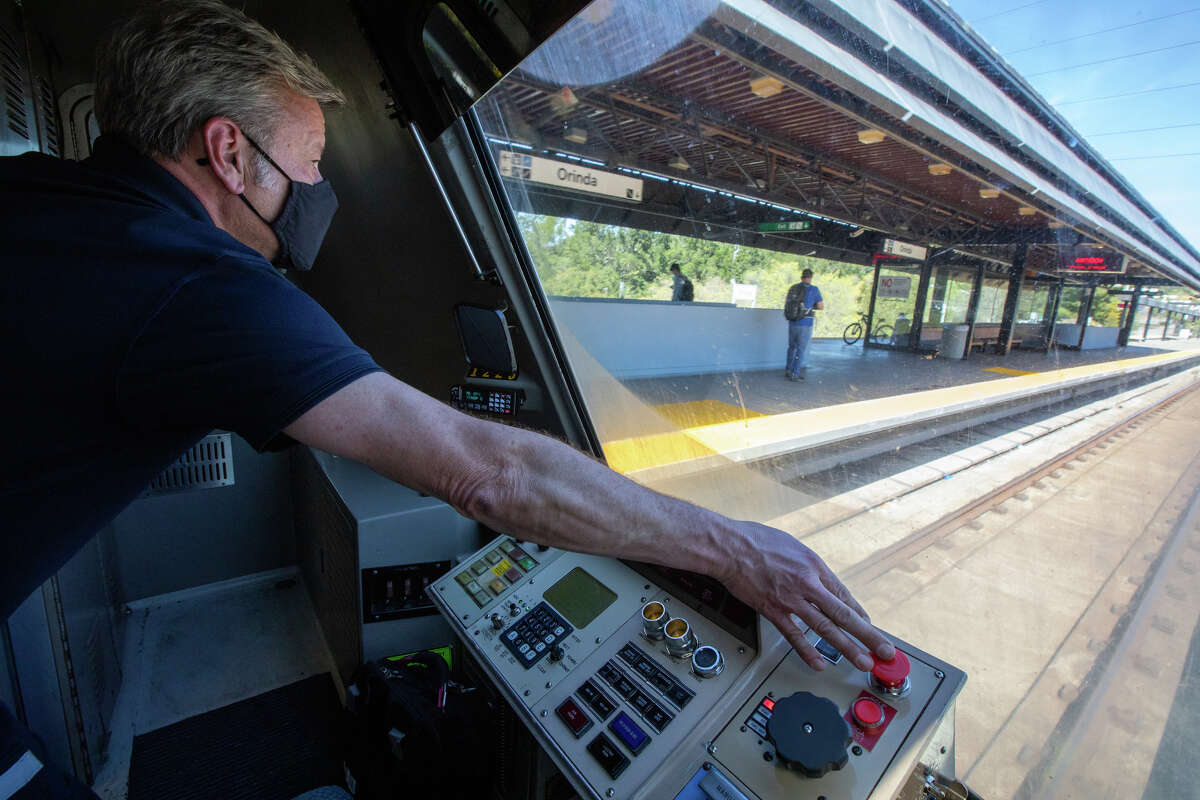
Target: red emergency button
891 676
867 713
576 720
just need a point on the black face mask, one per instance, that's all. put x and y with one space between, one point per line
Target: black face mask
303 221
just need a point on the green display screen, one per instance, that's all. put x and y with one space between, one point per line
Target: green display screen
579 597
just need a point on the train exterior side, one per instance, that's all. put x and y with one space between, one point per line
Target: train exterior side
1003 466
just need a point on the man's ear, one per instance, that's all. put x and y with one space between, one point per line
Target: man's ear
227 151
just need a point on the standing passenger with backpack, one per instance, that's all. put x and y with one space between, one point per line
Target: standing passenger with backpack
681 287
802 299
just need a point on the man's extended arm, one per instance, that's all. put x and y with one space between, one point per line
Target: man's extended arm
520 482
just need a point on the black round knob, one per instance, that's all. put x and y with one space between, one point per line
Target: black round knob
556 653
809 734
512 609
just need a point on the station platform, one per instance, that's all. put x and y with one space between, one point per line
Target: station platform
700 422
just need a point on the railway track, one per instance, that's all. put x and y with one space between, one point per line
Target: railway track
1059 590
885 560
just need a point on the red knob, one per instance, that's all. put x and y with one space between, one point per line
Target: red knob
891 674
867 713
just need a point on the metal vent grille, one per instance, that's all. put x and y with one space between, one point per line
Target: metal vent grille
47 111
206 465
12 86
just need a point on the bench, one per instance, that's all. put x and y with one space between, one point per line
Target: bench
989 334
983 335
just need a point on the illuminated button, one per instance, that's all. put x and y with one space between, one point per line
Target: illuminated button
625 688
524 648
511 636
529 655
464 578
497 586
527 563
494 557
609 673
479 567
629 733
474 588
768 704
558 630
631 655
657 718
574 717
610 758
516 554
481 598
513 575
588 692
662 682
548 638
504 566
540 646
641 702
680 695
868 714
596 699
507 546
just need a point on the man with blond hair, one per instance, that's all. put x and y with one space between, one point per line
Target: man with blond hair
145 307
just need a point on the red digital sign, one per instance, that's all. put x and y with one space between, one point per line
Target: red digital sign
1088 258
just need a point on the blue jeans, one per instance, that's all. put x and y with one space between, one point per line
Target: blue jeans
797 355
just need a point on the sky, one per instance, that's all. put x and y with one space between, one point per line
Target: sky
1079 53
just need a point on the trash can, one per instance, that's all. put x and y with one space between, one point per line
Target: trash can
954 341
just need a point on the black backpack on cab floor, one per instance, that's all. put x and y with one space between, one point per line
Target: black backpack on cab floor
413 731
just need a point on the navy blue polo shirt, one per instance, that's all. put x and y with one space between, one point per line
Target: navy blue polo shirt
131 326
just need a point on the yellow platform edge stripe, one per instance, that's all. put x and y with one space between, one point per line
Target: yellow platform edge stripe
1009 371
725 438
643 452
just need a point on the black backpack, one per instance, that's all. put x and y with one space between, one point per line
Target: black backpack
687 293
414 731
793 307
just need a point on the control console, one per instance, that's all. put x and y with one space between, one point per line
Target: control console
642 682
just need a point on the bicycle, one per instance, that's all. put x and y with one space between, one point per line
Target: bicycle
854 331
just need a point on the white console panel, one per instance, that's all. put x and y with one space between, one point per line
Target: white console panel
624 718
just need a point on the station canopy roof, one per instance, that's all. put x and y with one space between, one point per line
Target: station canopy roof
753 117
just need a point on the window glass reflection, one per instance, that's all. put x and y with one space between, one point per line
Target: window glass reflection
713 148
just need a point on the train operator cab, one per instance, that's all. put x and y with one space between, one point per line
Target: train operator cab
515 178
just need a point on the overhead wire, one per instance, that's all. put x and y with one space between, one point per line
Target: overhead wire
1127 94
1144 158
1008 11
1145 130
1114 58
1097 33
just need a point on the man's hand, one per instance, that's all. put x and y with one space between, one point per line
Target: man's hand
779 576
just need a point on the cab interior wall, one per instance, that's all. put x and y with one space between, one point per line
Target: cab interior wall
391 270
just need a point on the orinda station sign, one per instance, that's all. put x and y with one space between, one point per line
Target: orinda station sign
894 247
568 175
